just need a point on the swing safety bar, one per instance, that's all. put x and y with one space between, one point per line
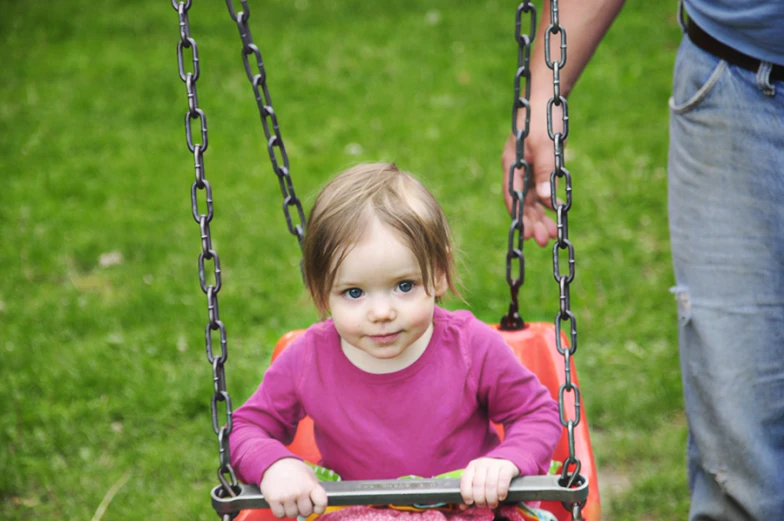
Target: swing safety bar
407 492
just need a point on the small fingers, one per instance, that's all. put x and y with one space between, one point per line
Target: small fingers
319 498
466 486
304 506
277 509
491 486
490 481
504 481
291 508
479 486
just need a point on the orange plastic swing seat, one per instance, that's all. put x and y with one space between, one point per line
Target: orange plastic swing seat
536 349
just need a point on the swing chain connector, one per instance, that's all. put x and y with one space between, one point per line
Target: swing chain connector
570 476
512 321
522 94
269 121
211 288
577 511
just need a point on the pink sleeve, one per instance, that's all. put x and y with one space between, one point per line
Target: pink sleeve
268 420
516 399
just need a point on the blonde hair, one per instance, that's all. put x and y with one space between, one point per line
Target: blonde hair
345 206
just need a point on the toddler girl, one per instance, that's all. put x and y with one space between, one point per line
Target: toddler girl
395 385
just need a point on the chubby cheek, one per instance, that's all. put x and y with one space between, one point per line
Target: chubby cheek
421 315
345 319
347 330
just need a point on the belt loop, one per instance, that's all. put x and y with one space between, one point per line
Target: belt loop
681 17
763 79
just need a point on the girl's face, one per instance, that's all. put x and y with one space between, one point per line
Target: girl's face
379 304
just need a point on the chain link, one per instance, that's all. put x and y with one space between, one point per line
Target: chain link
570 475
269 121
208 254
515 277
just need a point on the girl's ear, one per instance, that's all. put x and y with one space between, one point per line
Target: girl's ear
441 285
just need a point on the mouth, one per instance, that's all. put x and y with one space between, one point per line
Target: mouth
388 338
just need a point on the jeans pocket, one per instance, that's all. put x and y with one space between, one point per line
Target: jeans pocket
696 74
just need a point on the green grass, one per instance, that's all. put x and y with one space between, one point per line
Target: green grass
103 363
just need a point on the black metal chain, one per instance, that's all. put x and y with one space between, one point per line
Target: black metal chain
226 475
512 320
269 120
570 474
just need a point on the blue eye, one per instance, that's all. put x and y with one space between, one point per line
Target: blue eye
405 286
353 293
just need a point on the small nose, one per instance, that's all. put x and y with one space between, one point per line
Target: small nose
381 309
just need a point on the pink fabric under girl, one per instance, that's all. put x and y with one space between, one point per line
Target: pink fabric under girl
365 513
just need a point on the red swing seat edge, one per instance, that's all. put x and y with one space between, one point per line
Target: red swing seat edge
535 347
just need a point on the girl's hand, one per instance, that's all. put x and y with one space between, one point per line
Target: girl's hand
291 489
485 482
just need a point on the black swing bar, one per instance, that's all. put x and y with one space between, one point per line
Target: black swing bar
407 492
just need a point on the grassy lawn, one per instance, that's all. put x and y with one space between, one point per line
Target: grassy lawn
105 378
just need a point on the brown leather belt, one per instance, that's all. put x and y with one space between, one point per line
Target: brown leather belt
709 44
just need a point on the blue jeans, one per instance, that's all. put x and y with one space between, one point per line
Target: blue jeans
726 213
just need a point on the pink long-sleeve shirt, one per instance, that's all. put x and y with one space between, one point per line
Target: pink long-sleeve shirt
429 418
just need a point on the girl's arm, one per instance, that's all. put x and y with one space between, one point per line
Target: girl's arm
515 398
267 422
262 427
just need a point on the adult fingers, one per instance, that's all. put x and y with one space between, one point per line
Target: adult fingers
536 208
528 227
543 163
541 233
552 228
319 498
546 229
538 224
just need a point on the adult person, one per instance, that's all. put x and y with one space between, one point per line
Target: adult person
726 217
